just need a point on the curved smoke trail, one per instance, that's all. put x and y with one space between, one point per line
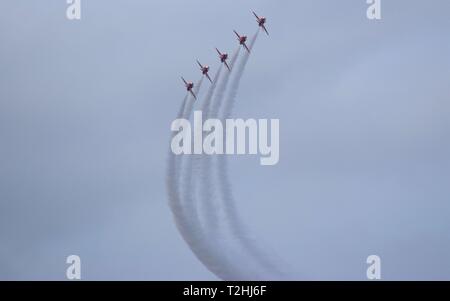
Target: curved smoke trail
201 163
214 241
210 109
204 239
225 264
235 222
211 106
185 215
185 222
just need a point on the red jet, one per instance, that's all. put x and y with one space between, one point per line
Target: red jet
242 40
261 21
204 70
189 87
223 58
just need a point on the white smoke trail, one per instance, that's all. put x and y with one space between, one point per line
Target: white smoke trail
185 222
217 243
176 207
218 97
208 178
185 215
208 181
235 222
209 247
207 199
210 109
227 106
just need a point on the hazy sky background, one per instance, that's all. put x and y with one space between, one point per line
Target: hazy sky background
364 109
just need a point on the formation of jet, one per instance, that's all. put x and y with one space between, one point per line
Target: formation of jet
205 70
261 22
242 40
224 56
189 87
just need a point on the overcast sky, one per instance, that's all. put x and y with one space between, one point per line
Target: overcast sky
364 109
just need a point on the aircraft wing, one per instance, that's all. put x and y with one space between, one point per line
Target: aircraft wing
228 67
245 45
